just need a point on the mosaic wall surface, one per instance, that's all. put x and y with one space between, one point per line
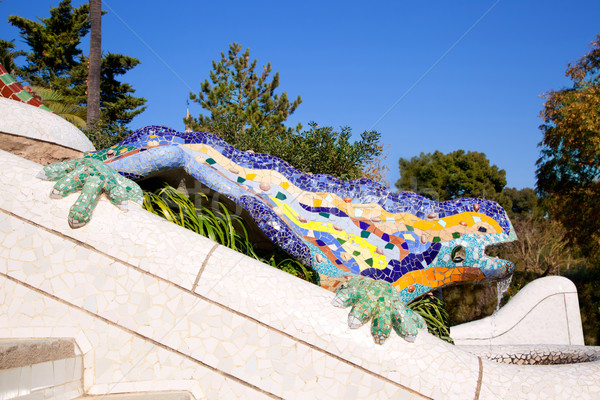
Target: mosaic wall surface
22 119
23 115
525 319
144 325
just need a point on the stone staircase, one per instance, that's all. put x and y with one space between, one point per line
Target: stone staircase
40 369
44 369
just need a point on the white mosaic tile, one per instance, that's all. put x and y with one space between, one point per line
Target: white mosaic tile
144 367
248 331
524 319
25 120
159 255
42 375
10 380
575 381
302 311
226 332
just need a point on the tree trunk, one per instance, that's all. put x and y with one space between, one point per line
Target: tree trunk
95 62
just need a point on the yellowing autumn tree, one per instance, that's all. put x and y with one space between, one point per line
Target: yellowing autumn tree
568 174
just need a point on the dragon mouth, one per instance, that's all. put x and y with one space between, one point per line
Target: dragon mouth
499 268
502 268
498 251
482 256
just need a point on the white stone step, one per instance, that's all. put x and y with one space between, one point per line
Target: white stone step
40 369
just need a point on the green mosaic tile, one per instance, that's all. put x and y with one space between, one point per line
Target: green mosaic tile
7 79
24 96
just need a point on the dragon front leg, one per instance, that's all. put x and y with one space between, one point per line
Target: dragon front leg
379 301
93 177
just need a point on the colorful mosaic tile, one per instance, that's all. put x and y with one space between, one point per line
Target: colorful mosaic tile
11 89
92 177
340 228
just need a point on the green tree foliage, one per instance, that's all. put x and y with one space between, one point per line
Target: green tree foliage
8 55
587 281
117 105
238 95
524 202
246 113
568 174
440 176
54 44
542 247
318 150
56 62
323 150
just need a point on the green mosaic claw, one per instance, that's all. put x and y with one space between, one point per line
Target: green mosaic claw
379 300
92 177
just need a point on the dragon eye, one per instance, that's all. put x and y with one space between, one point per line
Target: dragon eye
458 254
482 229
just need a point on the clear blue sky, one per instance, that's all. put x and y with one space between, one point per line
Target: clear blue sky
462 74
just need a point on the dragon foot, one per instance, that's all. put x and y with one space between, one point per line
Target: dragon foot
378 300
92 177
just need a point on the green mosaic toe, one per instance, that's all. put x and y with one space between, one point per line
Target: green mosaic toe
70 182
92 177
58 170
378 300
381 327
350 292
81 212
128 189
406 322
363 310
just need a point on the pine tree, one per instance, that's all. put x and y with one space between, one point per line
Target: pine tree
246 113
56 62
237 95
54 44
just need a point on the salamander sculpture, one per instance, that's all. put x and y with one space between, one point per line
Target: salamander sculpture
379 249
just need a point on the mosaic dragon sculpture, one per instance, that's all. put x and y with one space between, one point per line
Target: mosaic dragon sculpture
378 249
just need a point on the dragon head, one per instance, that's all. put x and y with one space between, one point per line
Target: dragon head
458 251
